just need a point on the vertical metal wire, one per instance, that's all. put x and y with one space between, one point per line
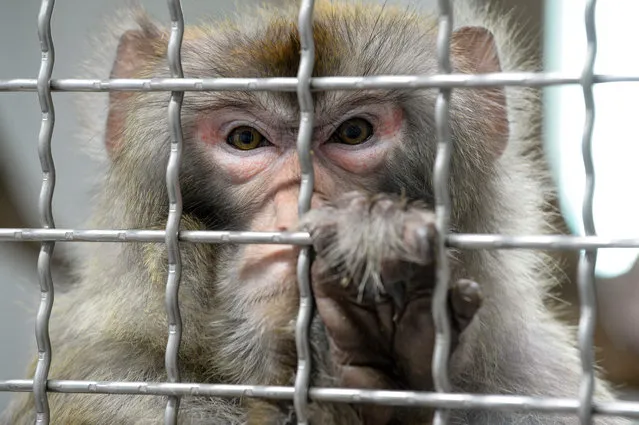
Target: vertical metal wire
305 99
587 260
46 214
175 211
442 212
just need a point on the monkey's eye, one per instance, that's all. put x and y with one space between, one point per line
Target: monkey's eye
246 138
353 132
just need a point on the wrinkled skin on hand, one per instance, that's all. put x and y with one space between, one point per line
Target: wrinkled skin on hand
373 280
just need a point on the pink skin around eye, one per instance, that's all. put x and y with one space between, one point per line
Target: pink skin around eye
367 158
239 165
242 166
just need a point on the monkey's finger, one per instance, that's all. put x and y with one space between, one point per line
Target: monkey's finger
413 344
322 227
397 293
360 332
465 298
426 238
367 377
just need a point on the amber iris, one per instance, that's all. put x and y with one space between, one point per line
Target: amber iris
353 132
246 138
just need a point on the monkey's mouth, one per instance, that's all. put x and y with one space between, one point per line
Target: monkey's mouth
270 270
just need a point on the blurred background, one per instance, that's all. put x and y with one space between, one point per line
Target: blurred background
74 20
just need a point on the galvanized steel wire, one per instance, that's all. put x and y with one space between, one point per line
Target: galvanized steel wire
45 207
505 403
289 84
175 212
441 170
305 133
588 258
461 241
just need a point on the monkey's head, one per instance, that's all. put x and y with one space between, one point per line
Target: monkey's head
240 169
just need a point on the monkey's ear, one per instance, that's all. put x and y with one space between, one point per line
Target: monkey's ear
136 51
474 51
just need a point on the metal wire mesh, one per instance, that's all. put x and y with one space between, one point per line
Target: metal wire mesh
442 212
305 100
46 215
304 85
586 269
175 212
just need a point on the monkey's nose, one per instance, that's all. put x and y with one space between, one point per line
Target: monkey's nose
286 207
286 210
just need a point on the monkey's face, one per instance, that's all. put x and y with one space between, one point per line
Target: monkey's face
240 169
254 151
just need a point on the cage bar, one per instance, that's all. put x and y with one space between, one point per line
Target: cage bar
588 258
153 236
441 320
505 403
175 212
544 242
461 241
307 119
43 339
286 84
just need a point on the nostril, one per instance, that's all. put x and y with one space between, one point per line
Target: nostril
282 228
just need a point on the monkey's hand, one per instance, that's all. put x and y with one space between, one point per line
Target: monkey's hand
373 279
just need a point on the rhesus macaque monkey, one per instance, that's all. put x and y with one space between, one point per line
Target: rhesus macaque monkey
371 223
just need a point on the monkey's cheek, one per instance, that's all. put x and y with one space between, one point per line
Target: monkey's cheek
361 162
240 169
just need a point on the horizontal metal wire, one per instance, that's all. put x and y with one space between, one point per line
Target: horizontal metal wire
544 242
336 395
463 241
530 79
195 236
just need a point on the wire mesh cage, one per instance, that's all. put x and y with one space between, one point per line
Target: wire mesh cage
442 399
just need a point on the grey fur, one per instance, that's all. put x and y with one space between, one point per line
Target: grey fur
112 326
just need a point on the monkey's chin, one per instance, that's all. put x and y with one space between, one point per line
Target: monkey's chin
269 296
